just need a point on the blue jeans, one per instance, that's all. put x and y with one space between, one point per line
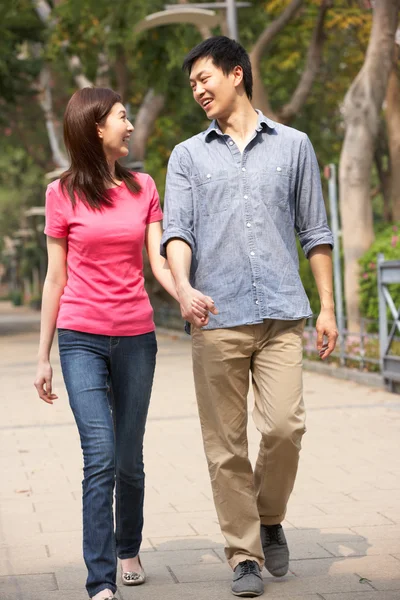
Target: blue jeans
109 381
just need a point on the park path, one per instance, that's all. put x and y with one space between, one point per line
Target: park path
343 522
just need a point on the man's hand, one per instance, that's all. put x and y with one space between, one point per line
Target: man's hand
195 306
326 327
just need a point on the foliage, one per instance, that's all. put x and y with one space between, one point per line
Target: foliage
18 66
387 242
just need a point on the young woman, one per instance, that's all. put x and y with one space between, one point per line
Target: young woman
99 216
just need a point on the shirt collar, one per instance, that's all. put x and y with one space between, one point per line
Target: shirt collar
262 120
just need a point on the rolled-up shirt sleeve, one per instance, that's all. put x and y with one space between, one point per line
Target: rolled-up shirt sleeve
178 202
311 222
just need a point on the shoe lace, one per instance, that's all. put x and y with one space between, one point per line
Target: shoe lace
273 533
248 567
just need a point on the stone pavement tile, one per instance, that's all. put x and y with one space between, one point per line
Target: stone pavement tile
369 567
378 496
19 530
355 507
27 566
159 526
23 552
313 585
340 520
61 505
299 510
218 590
387 584
158 507
57 521
371 533
204 525
200 505
366 548
391 513
15 587
43 595
47 486
320 495
180 557
72 577
11 507
196 573
322 536
194 542
368 595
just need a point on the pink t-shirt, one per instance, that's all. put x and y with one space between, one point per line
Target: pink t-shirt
105 290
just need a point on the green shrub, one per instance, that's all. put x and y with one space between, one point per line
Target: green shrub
16 297
387 242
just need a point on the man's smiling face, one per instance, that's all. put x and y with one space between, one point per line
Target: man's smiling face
212 89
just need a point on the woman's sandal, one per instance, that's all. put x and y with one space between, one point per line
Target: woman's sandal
133 577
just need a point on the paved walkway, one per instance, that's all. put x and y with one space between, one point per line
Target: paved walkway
343 522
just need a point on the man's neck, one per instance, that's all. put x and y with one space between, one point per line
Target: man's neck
240 124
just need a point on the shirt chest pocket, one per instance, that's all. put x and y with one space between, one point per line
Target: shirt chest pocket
276 186
212 191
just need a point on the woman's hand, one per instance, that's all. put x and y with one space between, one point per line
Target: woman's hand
43 381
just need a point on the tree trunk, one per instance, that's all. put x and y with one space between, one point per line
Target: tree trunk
361 108
46 102
393 128
146 117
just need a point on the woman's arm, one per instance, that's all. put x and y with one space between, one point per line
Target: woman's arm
161 270
158 264
56 279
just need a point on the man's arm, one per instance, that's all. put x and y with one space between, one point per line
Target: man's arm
179 256
178 239
317 241
321 265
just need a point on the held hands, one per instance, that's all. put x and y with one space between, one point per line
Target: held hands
326 327
44 376
195 306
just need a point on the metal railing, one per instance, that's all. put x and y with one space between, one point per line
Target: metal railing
356 349
388 273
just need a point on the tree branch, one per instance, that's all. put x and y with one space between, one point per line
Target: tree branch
273 29
260 95
311 69
43 10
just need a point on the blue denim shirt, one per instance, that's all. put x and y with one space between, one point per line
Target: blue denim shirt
240 212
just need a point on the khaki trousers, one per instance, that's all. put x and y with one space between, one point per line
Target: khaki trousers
222 359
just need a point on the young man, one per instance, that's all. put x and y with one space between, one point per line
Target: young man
236 194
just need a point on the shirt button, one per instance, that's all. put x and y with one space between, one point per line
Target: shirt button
231 143
248 224
208 175
243 168
256 301
245 197
254 284
252 253
278 169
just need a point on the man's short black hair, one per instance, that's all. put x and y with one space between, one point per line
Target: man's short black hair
226 54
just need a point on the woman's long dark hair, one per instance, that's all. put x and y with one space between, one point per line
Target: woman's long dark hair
89 173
